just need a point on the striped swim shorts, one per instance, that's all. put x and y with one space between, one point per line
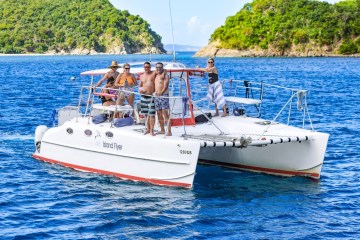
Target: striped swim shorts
147 105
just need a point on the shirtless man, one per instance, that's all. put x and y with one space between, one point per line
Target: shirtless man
147 88
162 104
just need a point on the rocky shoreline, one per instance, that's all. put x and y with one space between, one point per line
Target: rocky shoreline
301 50
83 51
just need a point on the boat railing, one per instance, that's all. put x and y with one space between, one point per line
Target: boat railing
256 90
180 105
243 93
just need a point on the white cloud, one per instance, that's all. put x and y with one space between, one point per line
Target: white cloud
193 22
195 28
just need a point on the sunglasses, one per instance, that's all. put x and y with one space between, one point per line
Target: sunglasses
210 62
114 67
127 68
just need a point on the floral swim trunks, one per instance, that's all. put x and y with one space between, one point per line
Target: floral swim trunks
162 102
129 89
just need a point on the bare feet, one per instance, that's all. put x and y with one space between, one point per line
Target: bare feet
151 133
160 132
224 115
168 134
216 115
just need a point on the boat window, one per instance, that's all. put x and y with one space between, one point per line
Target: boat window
88 132
109 134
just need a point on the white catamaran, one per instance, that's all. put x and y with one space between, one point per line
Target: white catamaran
237 141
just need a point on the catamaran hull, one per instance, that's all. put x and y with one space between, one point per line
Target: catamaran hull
303 158
126 155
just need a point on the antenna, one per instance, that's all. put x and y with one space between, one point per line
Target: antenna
172 32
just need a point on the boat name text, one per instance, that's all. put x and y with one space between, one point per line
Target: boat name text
185 152
112 145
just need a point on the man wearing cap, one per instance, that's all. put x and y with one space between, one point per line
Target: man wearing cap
112 73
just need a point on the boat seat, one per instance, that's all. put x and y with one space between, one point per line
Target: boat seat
124 109
243 101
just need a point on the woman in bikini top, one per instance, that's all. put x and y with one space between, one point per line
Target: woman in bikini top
126 81
130 79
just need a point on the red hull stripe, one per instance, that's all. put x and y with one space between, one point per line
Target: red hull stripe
260 169
119 175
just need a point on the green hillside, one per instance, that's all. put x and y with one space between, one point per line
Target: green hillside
38 26
282 24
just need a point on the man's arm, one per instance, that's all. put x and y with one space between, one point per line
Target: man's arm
102 80
166 84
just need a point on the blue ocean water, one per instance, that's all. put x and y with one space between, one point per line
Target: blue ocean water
44 201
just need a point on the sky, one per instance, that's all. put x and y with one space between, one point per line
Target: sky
193 20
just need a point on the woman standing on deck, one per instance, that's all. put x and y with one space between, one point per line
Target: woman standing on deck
126 81
215 92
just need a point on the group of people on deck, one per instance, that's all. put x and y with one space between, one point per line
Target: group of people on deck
153 88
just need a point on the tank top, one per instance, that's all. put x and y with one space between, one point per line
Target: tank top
213 77
113 74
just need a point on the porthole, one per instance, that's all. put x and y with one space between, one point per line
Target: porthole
109 134
88 132
69 131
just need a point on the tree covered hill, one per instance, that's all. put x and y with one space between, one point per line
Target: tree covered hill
73 26
292 27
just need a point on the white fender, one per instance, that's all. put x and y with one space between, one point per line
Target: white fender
39 133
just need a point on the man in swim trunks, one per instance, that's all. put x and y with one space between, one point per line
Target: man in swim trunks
162 105
146 89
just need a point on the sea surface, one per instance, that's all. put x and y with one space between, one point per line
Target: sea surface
44 201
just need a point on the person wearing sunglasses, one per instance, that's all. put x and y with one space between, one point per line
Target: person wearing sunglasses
215 92
126 81
112 73
147 105
162 105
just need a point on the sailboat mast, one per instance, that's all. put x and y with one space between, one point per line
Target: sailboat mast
172 32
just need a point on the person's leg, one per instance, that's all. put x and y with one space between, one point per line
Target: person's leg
161 121
120 102
147 124
224 111
130 100
158 109
121 99
216 111
167 120
151 125
152 117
